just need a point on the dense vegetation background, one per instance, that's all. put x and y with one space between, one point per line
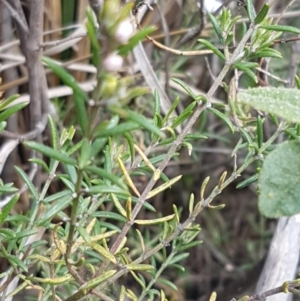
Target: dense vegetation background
236 238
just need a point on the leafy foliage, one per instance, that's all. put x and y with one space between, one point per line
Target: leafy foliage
97 234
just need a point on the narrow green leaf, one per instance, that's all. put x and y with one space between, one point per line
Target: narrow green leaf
297 80
139 267
97 145
108 124
117 130
66 180
41 163
158 120
79 96
139 119
107 160
163 187
104 252
190 245
250 10
191 203
28 182
141 239
140 279
50 152
84 234
216 26
223 118
122 293
245 135
225 17
131 146
154 221
213 48
53 130
107 189
229 38
173 107
97 280
231 23
55 208
9 100
93 35
125 11
4 212
247 71
194 136
176 213
262 13
179 257
167 141
16 262
72 173
267 52
110 215
56 196
133 41
11 110
128 209
178 267
79 100
118 205
147 205
156 103
247 64
167 283
188 111
131 295
274 119
8 188
85 154
259 132
282 28
74 148
18 218
2 125
7 233
109 226
106 175
248 181
26 233
51 281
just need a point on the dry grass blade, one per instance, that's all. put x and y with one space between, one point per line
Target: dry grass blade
150 77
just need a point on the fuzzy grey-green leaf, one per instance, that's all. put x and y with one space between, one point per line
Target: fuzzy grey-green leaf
279 181
281 101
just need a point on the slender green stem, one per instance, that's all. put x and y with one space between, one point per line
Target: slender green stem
74 214
157 275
